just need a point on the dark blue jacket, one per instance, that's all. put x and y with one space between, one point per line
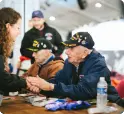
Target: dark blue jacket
91 70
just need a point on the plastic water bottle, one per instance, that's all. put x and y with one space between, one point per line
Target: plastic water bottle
101 94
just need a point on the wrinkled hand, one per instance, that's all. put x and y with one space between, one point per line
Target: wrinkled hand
40 83
32 87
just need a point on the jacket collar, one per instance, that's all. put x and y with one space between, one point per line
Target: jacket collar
47 61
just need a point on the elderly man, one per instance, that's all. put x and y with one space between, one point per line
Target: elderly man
80 75
46 64
41 29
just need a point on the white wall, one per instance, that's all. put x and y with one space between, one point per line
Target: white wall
108 35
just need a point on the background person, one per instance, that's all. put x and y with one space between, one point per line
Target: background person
41 29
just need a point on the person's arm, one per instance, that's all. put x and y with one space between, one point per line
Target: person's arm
58 40
10 82
85 89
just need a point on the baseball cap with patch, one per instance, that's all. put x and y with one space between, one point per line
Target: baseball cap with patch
80 38
40 44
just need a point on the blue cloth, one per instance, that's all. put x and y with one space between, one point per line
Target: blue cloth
63 104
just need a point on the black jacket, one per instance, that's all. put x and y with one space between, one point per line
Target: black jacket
48 33
9 82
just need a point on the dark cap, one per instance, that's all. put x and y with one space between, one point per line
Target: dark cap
80 38
38 14
40 44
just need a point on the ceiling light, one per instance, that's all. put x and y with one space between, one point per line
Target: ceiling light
98 5
122 0
0 0
52 18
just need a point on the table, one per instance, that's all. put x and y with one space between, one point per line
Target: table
19 106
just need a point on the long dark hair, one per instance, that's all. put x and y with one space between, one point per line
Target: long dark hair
7 15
